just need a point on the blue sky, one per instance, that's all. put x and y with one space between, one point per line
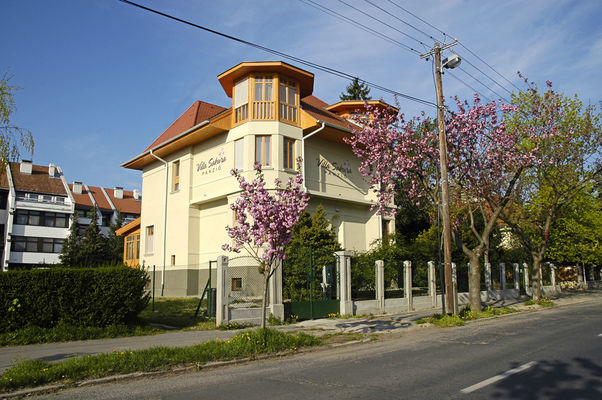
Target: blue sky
101 80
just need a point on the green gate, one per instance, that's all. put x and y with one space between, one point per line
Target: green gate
310 285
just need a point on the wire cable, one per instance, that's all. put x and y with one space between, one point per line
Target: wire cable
384 23
401 20
482 84
365 28
468 86
281 54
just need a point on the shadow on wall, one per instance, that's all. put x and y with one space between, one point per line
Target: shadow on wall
556 380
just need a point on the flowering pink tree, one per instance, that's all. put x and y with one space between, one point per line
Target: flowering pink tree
264 221
484 159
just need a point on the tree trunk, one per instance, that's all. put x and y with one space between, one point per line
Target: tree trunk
266 278
474 282
536 285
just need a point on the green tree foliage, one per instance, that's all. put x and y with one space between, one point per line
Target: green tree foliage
92 248
313 238
114 242
12 138
356 90
570 155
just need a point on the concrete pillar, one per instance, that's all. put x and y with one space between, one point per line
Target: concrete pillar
276 305
344 267
503 275
526 277
516 276
432 283
553 276
221 308
380 285
455 286
488 285
407 283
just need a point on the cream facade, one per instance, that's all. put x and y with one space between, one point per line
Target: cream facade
187 181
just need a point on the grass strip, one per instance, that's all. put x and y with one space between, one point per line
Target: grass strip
37 372
541 302
446 321
65 333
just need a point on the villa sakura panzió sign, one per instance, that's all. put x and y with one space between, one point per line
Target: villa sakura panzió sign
213 164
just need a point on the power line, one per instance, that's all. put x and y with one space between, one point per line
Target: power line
335 14
482 84
494 81
461 44
468 86
384 23
281 54
401 20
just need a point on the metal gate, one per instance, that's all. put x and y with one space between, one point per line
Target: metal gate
311 288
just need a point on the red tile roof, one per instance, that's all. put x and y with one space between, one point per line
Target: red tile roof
128 204
99 197
129 228
38 181
4 180
319 110
81 200
198 112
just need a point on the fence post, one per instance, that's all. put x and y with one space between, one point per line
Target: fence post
526 277
553 276
380 285
407 283
488 285
432 283
344 262
503 275
221 311
276 305
455 286
516 276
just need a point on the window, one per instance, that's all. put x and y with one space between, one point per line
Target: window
289 153
386 227
236 284
241 100
175 181
288 100
41 218
3 199
36 244
239 154
132 247
150 236
263 105
173 260
262 150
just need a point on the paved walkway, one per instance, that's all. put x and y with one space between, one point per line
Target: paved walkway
371 324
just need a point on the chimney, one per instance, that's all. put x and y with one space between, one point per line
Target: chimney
77 187
51 170
137 195
118 192
26 167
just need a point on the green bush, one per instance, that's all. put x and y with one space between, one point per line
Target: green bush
79 297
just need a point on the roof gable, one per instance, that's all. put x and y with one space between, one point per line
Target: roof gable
318 109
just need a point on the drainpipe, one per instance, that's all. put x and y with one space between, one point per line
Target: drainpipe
164 219
303 152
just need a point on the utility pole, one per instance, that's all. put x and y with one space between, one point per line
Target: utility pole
445 219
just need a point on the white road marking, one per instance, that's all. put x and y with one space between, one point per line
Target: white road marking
499 377
600 334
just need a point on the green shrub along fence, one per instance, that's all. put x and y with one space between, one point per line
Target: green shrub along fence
79 297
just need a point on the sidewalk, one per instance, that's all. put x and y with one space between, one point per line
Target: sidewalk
318 327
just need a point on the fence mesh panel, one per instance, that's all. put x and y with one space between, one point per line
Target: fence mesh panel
244 283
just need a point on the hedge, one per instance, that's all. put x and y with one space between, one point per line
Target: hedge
80 297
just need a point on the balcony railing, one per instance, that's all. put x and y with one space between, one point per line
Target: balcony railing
263 110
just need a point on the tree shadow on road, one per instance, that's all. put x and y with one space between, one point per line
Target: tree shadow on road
580 378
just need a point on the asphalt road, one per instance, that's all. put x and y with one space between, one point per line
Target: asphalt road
551 354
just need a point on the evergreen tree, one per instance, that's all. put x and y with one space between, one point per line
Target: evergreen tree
356 91
114 242
313 239
93 243
70 254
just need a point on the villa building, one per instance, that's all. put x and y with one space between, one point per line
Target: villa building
273 119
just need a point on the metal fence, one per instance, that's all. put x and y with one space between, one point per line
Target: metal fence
244 283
